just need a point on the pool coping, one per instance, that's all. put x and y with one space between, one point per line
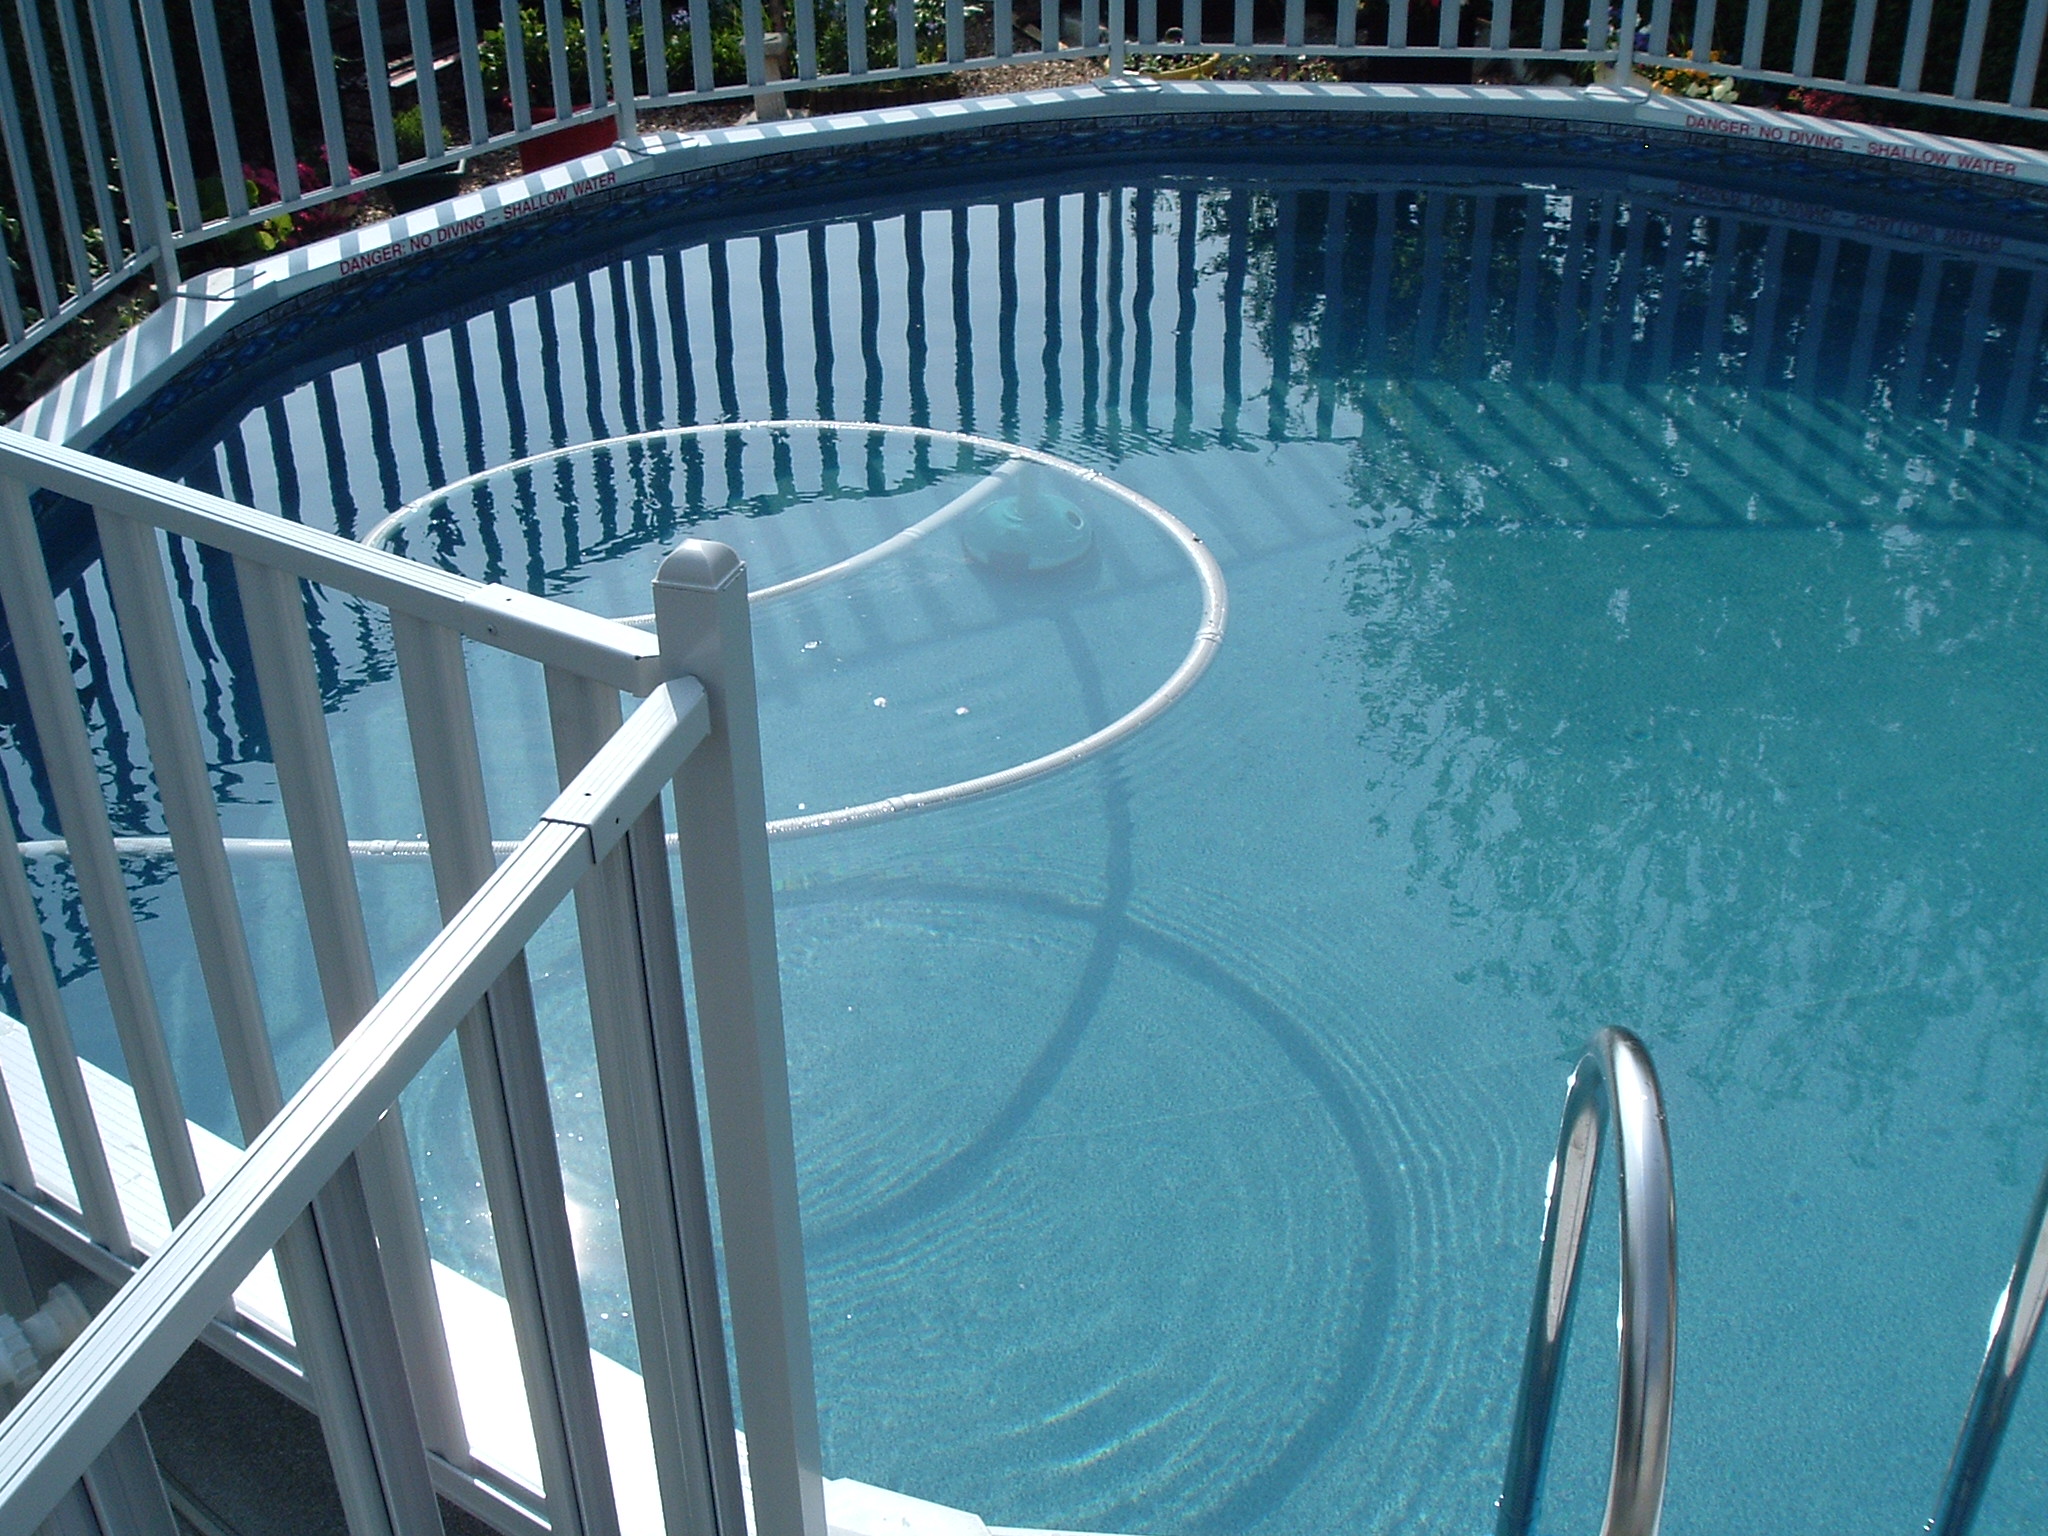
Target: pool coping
88 403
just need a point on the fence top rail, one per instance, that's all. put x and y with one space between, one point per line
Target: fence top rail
503 617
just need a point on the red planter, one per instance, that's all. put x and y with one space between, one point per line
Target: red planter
570 143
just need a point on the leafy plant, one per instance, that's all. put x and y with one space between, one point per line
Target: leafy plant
1814 103
251 241
533 50
410 134
1697 84
728 45
323 219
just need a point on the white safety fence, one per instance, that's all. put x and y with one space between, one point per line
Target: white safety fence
131 130
1985 56
326 1184
82 206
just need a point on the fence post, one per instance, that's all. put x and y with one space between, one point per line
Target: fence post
624 96
1625 47
772 106
700 613
135 141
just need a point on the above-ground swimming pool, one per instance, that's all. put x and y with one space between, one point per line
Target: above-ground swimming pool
1638 617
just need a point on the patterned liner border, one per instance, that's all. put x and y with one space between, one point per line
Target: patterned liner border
1806 163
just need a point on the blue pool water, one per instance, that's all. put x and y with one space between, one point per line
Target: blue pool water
1639 617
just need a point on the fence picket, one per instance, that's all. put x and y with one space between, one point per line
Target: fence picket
220 109
52 697
28 206
42 1012
56 143
2027 66
508 1097
284 156
290 694
1975 21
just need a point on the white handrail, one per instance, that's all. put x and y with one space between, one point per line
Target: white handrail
2015 1327
552 633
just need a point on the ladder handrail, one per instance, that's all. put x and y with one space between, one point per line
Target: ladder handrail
2014 1324
1613 1080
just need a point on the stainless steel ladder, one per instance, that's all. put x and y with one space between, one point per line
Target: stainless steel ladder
2014 1325
1614 1084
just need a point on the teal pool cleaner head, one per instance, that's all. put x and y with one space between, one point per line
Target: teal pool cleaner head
1032 531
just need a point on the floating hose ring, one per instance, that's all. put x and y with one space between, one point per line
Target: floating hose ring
1208 632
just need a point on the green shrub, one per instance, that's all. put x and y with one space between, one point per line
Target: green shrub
728 46
533 36
928 28
251 241
410 133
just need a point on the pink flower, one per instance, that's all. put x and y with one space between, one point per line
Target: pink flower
327 218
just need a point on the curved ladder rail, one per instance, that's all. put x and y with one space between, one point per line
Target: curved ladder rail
2014 1324
1613 1080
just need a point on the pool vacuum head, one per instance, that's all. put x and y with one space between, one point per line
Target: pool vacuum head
1026 534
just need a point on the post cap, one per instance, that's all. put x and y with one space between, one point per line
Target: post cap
699 565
